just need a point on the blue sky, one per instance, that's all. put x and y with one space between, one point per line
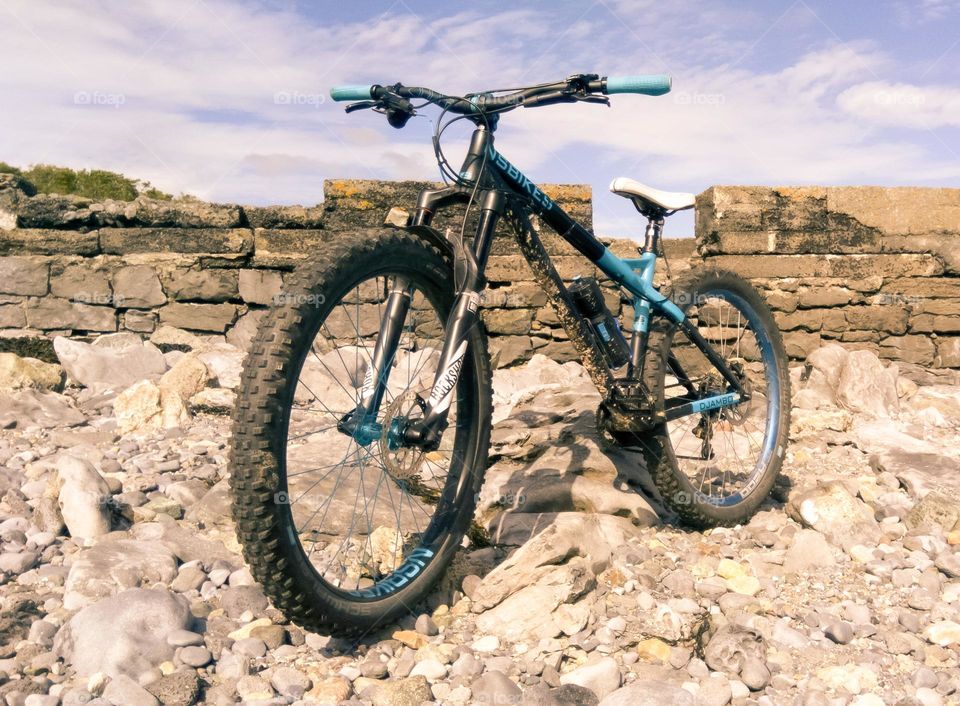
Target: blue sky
227 100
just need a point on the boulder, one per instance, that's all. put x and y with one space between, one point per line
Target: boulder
224 363
830 361
410 691
186 378
125 634
18 373
214 400
809 551
739 652
866 386
834 512
512 385
83 498
571 534
116 563
935 509
114 364
242 333
125 691
525 614
137 408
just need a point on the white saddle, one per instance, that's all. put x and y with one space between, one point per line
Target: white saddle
667 200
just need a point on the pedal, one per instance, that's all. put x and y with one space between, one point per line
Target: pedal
629 407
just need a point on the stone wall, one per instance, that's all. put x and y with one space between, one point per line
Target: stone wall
71 266
868 267
874 268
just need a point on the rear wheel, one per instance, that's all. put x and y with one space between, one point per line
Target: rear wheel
717 467
345 530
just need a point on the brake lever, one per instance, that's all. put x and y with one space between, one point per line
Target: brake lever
591 98
362 105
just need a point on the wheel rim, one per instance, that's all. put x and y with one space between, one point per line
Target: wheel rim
369 518
724 454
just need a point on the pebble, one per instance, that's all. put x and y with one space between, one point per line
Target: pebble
426 626
290 682
487 643
250 647
839 631
195 656
495 688
429 668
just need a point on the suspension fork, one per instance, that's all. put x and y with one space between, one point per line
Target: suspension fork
361 422
469 267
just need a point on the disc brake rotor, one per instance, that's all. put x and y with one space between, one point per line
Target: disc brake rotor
402 463
738 414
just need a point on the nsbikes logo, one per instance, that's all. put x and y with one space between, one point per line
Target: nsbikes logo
519 177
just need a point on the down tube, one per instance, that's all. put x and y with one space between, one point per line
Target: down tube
551 213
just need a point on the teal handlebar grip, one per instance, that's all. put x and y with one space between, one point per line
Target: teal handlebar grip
351 93
649 85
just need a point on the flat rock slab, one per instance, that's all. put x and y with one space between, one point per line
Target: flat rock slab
43 409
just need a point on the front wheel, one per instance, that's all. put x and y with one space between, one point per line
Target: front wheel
347 530
717 467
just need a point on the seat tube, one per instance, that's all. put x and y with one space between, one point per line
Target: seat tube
641 305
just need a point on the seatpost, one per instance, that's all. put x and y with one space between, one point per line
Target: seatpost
651 241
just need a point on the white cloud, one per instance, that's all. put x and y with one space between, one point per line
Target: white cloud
903 104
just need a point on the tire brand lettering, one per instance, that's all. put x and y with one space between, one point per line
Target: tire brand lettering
407 571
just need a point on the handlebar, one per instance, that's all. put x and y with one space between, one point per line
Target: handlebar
570 90
394 101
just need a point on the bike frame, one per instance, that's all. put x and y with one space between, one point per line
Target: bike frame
490 180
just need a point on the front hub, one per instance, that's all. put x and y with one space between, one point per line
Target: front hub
363 431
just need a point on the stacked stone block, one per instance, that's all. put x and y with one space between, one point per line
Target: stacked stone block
869 267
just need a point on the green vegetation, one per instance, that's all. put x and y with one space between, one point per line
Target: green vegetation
91 183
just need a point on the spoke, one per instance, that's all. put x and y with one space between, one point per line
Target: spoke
328 502
313 470
311 433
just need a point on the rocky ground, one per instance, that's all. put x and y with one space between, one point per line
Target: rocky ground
122 581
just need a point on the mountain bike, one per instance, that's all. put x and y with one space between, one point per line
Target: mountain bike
362 426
